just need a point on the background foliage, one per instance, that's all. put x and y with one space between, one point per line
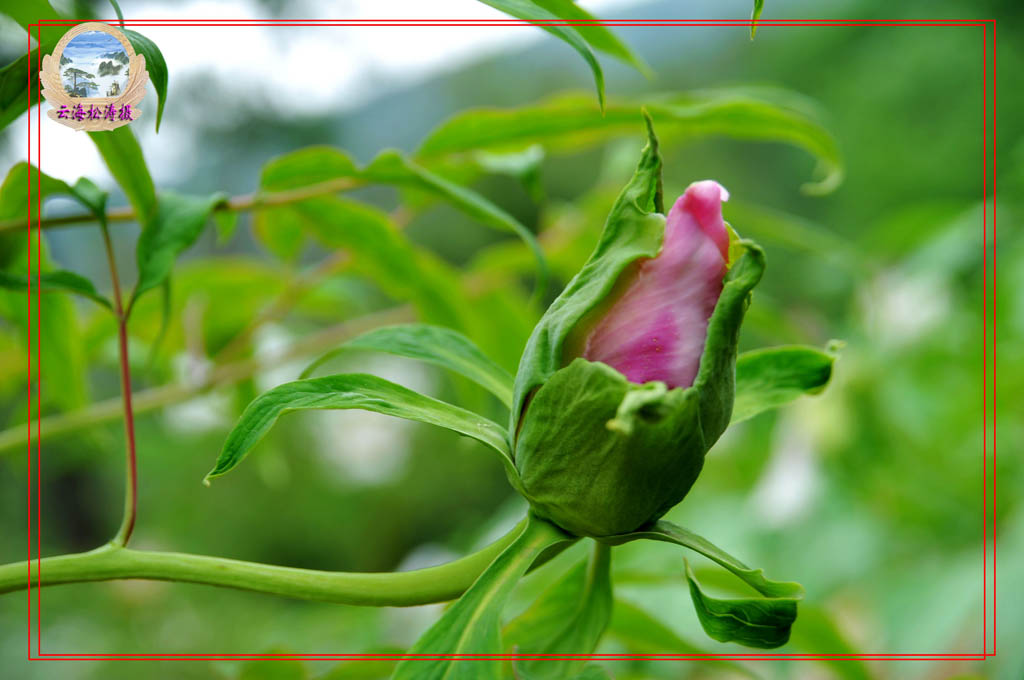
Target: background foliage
868 495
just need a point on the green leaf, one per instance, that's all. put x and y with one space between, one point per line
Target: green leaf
362 669
27 12
759 114
319 164
597 35
471 625
772 377
754 16
175 226
533 12
753 622
117 10
155 65
392 167
350 391
568 618
756 622
123 156
436 345
817 633
14 79
59 280
671 533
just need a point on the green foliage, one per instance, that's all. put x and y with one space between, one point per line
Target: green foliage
771 377
60 280
175 225
752 622
538 12
755 15
346 392
123 155
572 122
433 344
472 624
156 66
568 618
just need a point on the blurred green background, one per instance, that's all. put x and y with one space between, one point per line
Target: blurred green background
869 495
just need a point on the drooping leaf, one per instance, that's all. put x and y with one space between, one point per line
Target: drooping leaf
176 224
671 533
123 155
155 65
772 377
436 345
758 114
762 622
534 12
60 280
597 35
353 391
471 625
754 16
568 618
757 622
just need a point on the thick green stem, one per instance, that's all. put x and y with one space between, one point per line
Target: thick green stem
397 589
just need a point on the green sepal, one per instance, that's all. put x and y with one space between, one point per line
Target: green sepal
583 469
634 229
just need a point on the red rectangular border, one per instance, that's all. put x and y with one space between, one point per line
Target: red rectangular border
988 174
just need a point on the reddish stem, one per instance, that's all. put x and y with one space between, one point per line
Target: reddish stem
131 494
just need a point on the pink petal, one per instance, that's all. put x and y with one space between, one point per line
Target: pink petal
656 329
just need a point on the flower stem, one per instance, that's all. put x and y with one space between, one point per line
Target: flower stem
131 491
398 589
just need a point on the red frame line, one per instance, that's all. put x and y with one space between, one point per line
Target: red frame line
512 22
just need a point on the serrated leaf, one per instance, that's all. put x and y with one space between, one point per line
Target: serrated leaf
156 66
123 156
176 224
568 618
60 280
759 114
772 377
471 625
534 12
353 391
762 622
436 345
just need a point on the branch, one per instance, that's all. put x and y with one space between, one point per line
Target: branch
395 589
16 438
235 204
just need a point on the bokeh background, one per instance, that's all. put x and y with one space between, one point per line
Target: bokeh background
870 495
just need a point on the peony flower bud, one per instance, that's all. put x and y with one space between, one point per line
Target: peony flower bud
655 329
628 378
